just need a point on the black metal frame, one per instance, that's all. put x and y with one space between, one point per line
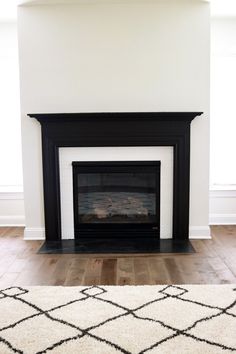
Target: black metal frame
116 129
125 230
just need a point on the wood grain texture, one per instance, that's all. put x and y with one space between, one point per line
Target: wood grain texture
213 263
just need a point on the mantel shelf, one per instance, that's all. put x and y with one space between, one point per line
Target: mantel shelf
115 116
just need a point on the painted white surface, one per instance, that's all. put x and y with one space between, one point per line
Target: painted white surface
147 153
12 209
223 8
223 108
55 2
223 207
223 82
10 132
34 233
132 56
222 219
11 196
199 232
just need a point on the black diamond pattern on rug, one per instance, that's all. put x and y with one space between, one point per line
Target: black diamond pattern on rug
130 320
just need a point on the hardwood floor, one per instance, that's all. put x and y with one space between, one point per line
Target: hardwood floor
213 263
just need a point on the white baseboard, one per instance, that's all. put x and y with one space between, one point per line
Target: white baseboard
199 232
12 220
222 219
12 206
222 206
222 193
11 196
34 233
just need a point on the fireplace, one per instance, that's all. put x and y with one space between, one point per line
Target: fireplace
116 129
116 199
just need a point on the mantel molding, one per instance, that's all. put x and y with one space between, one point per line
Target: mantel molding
116 129
114 116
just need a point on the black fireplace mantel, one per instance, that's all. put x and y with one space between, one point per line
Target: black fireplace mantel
116 129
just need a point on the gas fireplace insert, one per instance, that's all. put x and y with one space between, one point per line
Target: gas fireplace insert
116 199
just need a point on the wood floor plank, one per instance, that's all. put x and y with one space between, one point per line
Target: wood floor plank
173 271
108 274
213 263
76 273
8 279
158 272
93 272
223 272
190 271
48 273
125 271
141 271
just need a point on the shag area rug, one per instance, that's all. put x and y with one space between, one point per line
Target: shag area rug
118 319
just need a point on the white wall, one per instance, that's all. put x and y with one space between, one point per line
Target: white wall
11 184
144 56
223 108
10 135
223 124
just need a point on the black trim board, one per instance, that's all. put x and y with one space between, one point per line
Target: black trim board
116 129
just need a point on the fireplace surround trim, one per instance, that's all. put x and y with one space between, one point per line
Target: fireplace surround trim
116 129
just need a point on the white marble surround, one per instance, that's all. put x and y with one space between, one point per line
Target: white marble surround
147 153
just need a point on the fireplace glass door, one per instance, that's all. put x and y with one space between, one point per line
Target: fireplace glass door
116 198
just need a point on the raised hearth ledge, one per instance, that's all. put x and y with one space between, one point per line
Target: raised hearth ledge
103 246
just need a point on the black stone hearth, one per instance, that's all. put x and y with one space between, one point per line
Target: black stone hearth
116 129
138 245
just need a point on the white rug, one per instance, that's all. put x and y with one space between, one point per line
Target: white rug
111 320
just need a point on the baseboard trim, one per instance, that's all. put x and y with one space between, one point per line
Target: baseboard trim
199 233
12 220
11 193
222 219
195 232
34 233
222 194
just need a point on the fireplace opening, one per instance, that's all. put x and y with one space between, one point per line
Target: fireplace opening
116 199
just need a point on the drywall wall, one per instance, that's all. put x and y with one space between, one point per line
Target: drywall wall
11 188
10 134
223 109
144 56
223 75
